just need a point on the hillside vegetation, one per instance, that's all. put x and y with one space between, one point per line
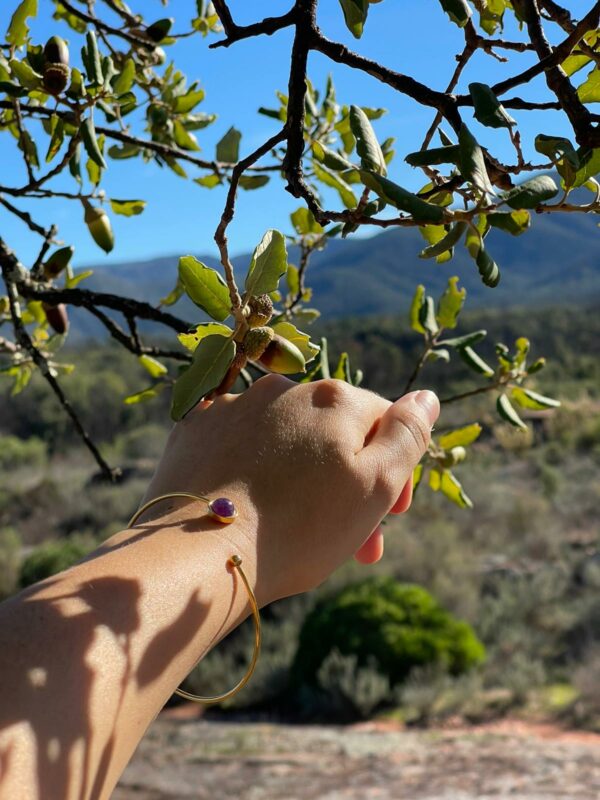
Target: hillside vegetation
523 568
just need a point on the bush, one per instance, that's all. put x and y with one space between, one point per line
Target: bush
10 554
15 452
391 625
51 558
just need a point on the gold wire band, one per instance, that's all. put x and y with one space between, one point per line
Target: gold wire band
236 562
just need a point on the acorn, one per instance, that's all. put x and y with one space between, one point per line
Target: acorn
56 66
99 226
57 317
256 342
58 261
283 356
260 310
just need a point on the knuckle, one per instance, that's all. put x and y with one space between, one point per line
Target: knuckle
272 382
385 485
330 392
415 430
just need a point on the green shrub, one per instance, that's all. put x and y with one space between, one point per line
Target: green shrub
10 554
392 625
15 452
50 558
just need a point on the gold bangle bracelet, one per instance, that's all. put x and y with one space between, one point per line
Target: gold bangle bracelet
222 510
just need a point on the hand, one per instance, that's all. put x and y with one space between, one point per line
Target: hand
312 469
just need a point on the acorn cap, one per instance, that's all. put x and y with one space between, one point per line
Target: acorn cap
260 310
256 342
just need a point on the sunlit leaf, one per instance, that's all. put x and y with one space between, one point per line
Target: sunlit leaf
211 361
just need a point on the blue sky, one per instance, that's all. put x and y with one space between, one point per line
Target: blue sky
414 38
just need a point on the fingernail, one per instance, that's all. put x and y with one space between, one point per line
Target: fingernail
428 401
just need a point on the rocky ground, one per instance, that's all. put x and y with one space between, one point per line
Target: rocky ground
181 759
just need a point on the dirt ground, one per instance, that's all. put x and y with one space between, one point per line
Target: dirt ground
183 759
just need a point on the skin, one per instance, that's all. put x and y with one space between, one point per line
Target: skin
89 657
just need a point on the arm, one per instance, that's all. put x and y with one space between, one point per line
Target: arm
89 657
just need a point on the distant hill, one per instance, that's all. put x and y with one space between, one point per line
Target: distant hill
557 262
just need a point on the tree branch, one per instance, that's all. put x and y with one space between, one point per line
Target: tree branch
234 33
9 266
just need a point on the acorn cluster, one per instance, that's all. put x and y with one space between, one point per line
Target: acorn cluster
263 344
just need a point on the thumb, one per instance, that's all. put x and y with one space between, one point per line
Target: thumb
400 441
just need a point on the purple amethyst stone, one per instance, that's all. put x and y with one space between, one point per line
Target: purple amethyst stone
223 509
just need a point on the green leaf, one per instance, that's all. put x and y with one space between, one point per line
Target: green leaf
415 309
304 222
461 437
553 146
128 208
228 148
336 182
438 354
302 340
145 394
183 138
433 234
508 413
446 243
463 341
208 181
401 199
472 163
488 269
211 361
192 339
57 138
159 30
269 262
590 166
589 91
475 362
205 287
91 59
18 30
124 151
451 488
459 11
330 158
151 365
367 146
488 109
355 15
532 193
342 370
514 222
427 316
449 154
188 101
526 398
417 475
27 77
124 80
249 182
88 136
450 304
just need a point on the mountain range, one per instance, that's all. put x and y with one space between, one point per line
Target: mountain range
556 262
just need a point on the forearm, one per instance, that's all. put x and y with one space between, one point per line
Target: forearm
87 659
